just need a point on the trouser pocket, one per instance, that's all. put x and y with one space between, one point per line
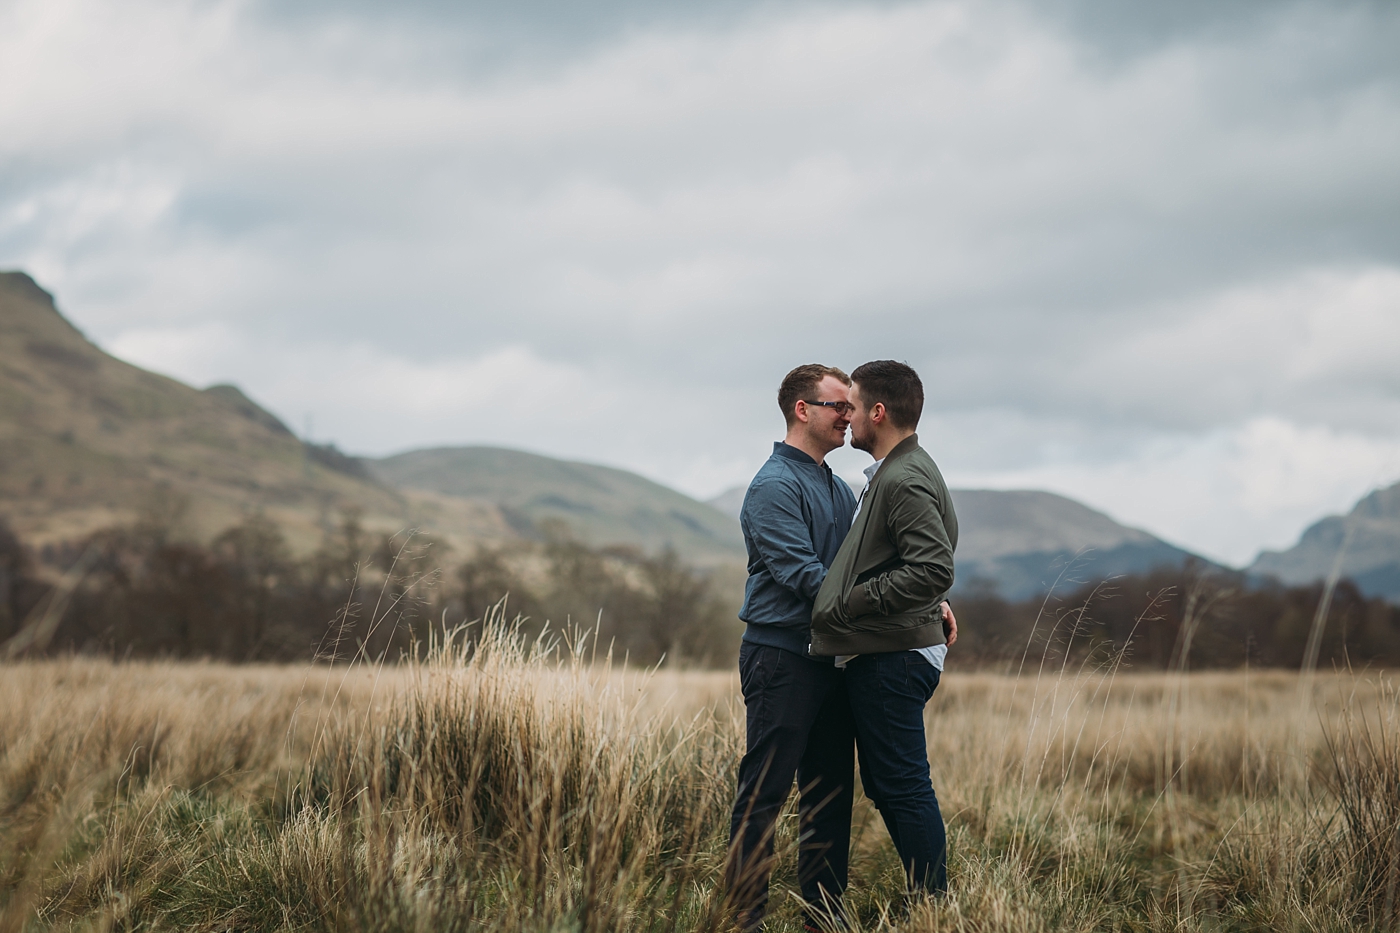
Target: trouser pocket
756 666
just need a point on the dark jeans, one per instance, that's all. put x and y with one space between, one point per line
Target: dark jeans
888 694
799 723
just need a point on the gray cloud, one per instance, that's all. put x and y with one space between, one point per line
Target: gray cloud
1111 237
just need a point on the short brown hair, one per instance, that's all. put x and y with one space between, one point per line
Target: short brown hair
801 383
896 385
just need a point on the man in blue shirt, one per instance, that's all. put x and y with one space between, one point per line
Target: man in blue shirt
795 515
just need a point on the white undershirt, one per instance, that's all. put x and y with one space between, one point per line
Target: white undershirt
934 654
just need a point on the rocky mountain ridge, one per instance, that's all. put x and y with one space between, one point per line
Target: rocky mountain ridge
1367 539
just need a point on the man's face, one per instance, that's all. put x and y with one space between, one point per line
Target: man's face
862 430
826 427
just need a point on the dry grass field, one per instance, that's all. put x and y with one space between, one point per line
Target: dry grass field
502 789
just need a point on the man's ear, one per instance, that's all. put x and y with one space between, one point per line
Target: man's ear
877 412
799 411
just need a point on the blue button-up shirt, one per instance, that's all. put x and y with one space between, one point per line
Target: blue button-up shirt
795 516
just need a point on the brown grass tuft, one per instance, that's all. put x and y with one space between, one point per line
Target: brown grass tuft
514 785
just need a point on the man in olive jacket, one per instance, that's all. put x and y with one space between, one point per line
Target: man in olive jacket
879 612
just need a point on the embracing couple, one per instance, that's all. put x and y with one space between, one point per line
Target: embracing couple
846 631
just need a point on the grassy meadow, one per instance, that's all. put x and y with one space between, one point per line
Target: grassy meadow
506 787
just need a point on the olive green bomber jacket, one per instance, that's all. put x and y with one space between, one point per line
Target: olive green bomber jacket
895 567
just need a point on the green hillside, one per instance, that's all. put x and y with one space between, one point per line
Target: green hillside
87 441
599 504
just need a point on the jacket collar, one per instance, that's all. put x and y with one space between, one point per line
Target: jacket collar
910 443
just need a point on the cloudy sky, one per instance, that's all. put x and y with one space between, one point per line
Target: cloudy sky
1147 255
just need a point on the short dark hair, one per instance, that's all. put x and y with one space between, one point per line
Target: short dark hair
801 383
896 385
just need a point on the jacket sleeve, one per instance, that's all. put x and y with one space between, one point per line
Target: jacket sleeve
773 520
915 524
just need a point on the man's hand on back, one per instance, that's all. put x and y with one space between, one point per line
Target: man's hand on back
950 625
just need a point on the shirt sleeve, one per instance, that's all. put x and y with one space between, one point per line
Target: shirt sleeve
773 520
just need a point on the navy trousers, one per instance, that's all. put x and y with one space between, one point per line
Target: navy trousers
888 693
798 724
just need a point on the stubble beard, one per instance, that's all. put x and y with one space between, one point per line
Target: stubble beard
826 439
860 443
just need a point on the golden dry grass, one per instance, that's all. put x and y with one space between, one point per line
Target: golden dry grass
505 789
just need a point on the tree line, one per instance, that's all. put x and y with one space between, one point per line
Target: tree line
144 590
1182 618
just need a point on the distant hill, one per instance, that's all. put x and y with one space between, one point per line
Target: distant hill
1372 555
600 504
1022 540
87 440
729 502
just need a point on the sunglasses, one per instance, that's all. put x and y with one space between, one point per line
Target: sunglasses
842 408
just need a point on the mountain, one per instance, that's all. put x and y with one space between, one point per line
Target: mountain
600 504
730 501
1025 540
87 440
1022 541
1371 535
